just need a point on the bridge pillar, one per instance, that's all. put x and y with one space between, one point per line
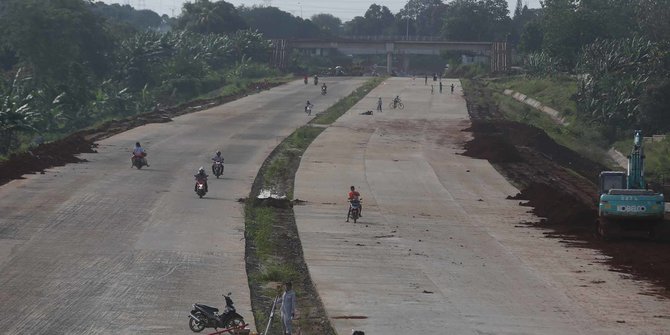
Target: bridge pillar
389 57
389 62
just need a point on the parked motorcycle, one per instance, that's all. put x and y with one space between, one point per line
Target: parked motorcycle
139 161
354 209
203 316
217 169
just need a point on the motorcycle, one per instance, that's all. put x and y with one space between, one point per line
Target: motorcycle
323 91
139 161
203 316
200 188
316 81
305 80
354 210
217 169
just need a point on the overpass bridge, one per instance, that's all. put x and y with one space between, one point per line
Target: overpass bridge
393 46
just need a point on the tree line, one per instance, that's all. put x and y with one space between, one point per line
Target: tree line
67 64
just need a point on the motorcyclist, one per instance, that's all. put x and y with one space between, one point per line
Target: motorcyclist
139 153
354 197
396 100
305 79
201 177
324 88
308 108
316 79
217 158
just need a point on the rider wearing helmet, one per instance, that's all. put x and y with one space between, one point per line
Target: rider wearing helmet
324 88
201 176
139 153
217 158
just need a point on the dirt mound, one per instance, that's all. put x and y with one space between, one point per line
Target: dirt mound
45 156
560 186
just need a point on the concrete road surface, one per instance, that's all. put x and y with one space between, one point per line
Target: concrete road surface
439 249
101 248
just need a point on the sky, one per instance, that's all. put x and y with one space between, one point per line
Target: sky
344 9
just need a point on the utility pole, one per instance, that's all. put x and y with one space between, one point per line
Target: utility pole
407 30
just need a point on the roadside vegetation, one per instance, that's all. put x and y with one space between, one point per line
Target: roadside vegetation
274 253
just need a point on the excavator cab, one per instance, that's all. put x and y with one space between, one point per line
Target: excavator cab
610 180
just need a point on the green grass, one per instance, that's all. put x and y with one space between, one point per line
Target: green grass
555 92
657 157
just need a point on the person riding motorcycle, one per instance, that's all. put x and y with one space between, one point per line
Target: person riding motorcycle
217 158
324 88
139 153
396 100
201 177
316 79
305 79
354 197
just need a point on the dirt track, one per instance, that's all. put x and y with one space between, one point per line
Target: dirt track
543 170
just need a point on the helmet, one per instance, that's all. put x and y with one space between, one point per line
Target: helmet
218 153
137 144
201 169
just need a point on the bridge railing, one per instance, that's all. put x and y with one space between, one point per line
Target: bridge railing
392 38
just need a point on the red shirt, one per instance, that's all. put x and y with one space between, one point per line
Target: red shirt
354 195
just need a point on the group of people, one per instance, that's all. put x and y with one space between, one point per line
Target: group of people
396 100
200 177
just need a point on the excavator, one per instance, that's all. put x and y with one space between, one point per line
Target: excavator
626 202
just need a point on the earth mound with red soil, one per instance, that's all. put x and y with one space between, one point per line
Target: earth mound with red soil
64 151
560 186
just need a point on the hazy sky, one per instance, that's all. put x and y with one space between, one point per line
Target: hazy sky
344 9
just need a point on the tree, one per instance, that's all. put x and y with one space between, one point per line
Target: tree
378 20
570 24
531 37
327 23
477 20
425 15
276 23
205 17
50 36
653 18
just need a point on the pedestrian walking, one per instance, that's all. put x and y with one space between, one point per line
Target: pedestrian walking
426 80
452 88
379 104
288 306
432 89
440 87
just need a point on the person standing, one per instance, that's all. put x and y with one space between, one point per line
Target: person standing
452 88
432 89
308 108
288 306
425 80
440 87
379 104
